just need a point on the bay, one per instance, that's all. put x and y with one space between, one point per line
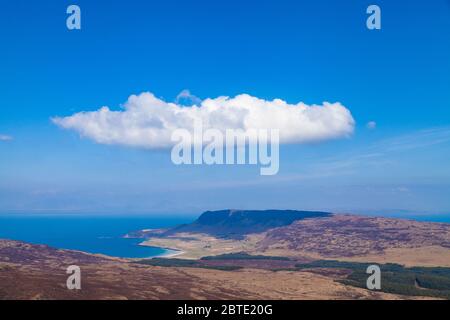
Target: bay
89 233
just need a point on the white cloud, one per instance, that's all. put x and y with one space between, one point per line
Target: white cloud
4 137
371 125
148 122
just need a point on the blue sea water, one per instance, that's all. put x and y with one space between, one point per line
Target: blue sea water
94 234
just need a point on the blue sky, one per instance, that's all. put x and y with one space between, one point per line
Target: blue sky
311 51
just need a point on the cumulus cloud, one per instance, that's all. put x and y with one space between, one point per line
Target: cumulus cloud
147 121
4 137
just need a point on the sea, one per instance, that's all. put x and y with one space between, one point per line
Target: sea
99 234
103 234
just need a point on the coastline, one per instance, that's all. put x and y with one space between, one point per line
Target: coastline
169 252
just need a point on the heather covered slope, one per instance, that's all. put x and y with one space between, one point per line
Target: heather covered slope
361 238
39 272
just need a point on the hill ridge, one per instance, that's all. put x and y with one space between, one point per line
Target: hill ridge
236 223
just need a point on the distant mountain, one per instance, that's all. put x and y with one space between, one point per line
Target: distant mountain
237 223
